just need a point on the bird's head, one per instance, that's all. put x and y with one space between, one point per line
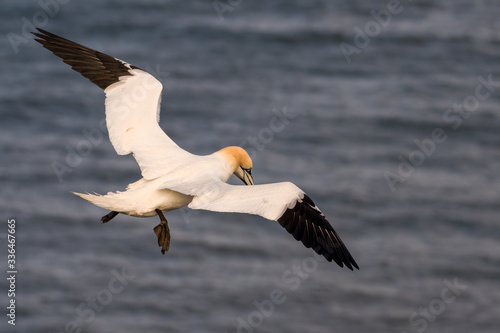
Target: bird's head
240 162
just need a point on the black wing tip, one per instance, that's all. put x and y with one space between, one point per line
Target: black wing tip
350 263
41 32
308 224
337 253
44 36
100 68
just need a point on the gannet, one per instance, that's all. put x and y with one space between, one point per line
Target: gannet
173 178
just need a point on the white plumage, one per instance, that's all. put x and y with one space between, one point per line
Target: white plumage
174 178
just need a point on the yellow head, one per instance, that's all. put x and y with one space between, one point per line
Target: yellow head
240 163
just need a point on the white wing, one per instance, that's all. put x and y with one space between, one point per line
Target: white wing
132 105
132 116
285 203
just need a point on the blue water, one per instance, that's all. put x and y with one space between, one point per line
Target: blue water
417 220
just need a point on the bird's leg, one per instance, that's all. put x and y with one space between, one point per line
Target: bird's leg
106 218
162 232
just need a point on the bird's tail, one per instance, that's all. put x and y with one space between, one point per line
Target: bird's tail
108 201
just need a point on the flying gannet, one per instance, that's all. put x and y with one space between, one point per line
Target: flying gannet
172 177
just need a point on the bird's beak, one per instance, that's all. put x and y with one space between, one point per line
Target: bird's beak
248 179
246 176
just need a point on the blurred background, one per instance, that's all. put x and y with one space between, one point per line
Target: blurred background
351 85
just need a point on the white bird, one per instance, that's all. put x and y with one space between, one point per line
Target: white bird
172 177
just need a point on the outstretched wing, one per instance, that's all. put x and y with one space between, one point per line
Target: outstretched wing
285 203
132 105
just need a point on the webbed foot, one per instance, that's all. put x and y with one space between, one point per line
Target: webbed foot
162 232
106 218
